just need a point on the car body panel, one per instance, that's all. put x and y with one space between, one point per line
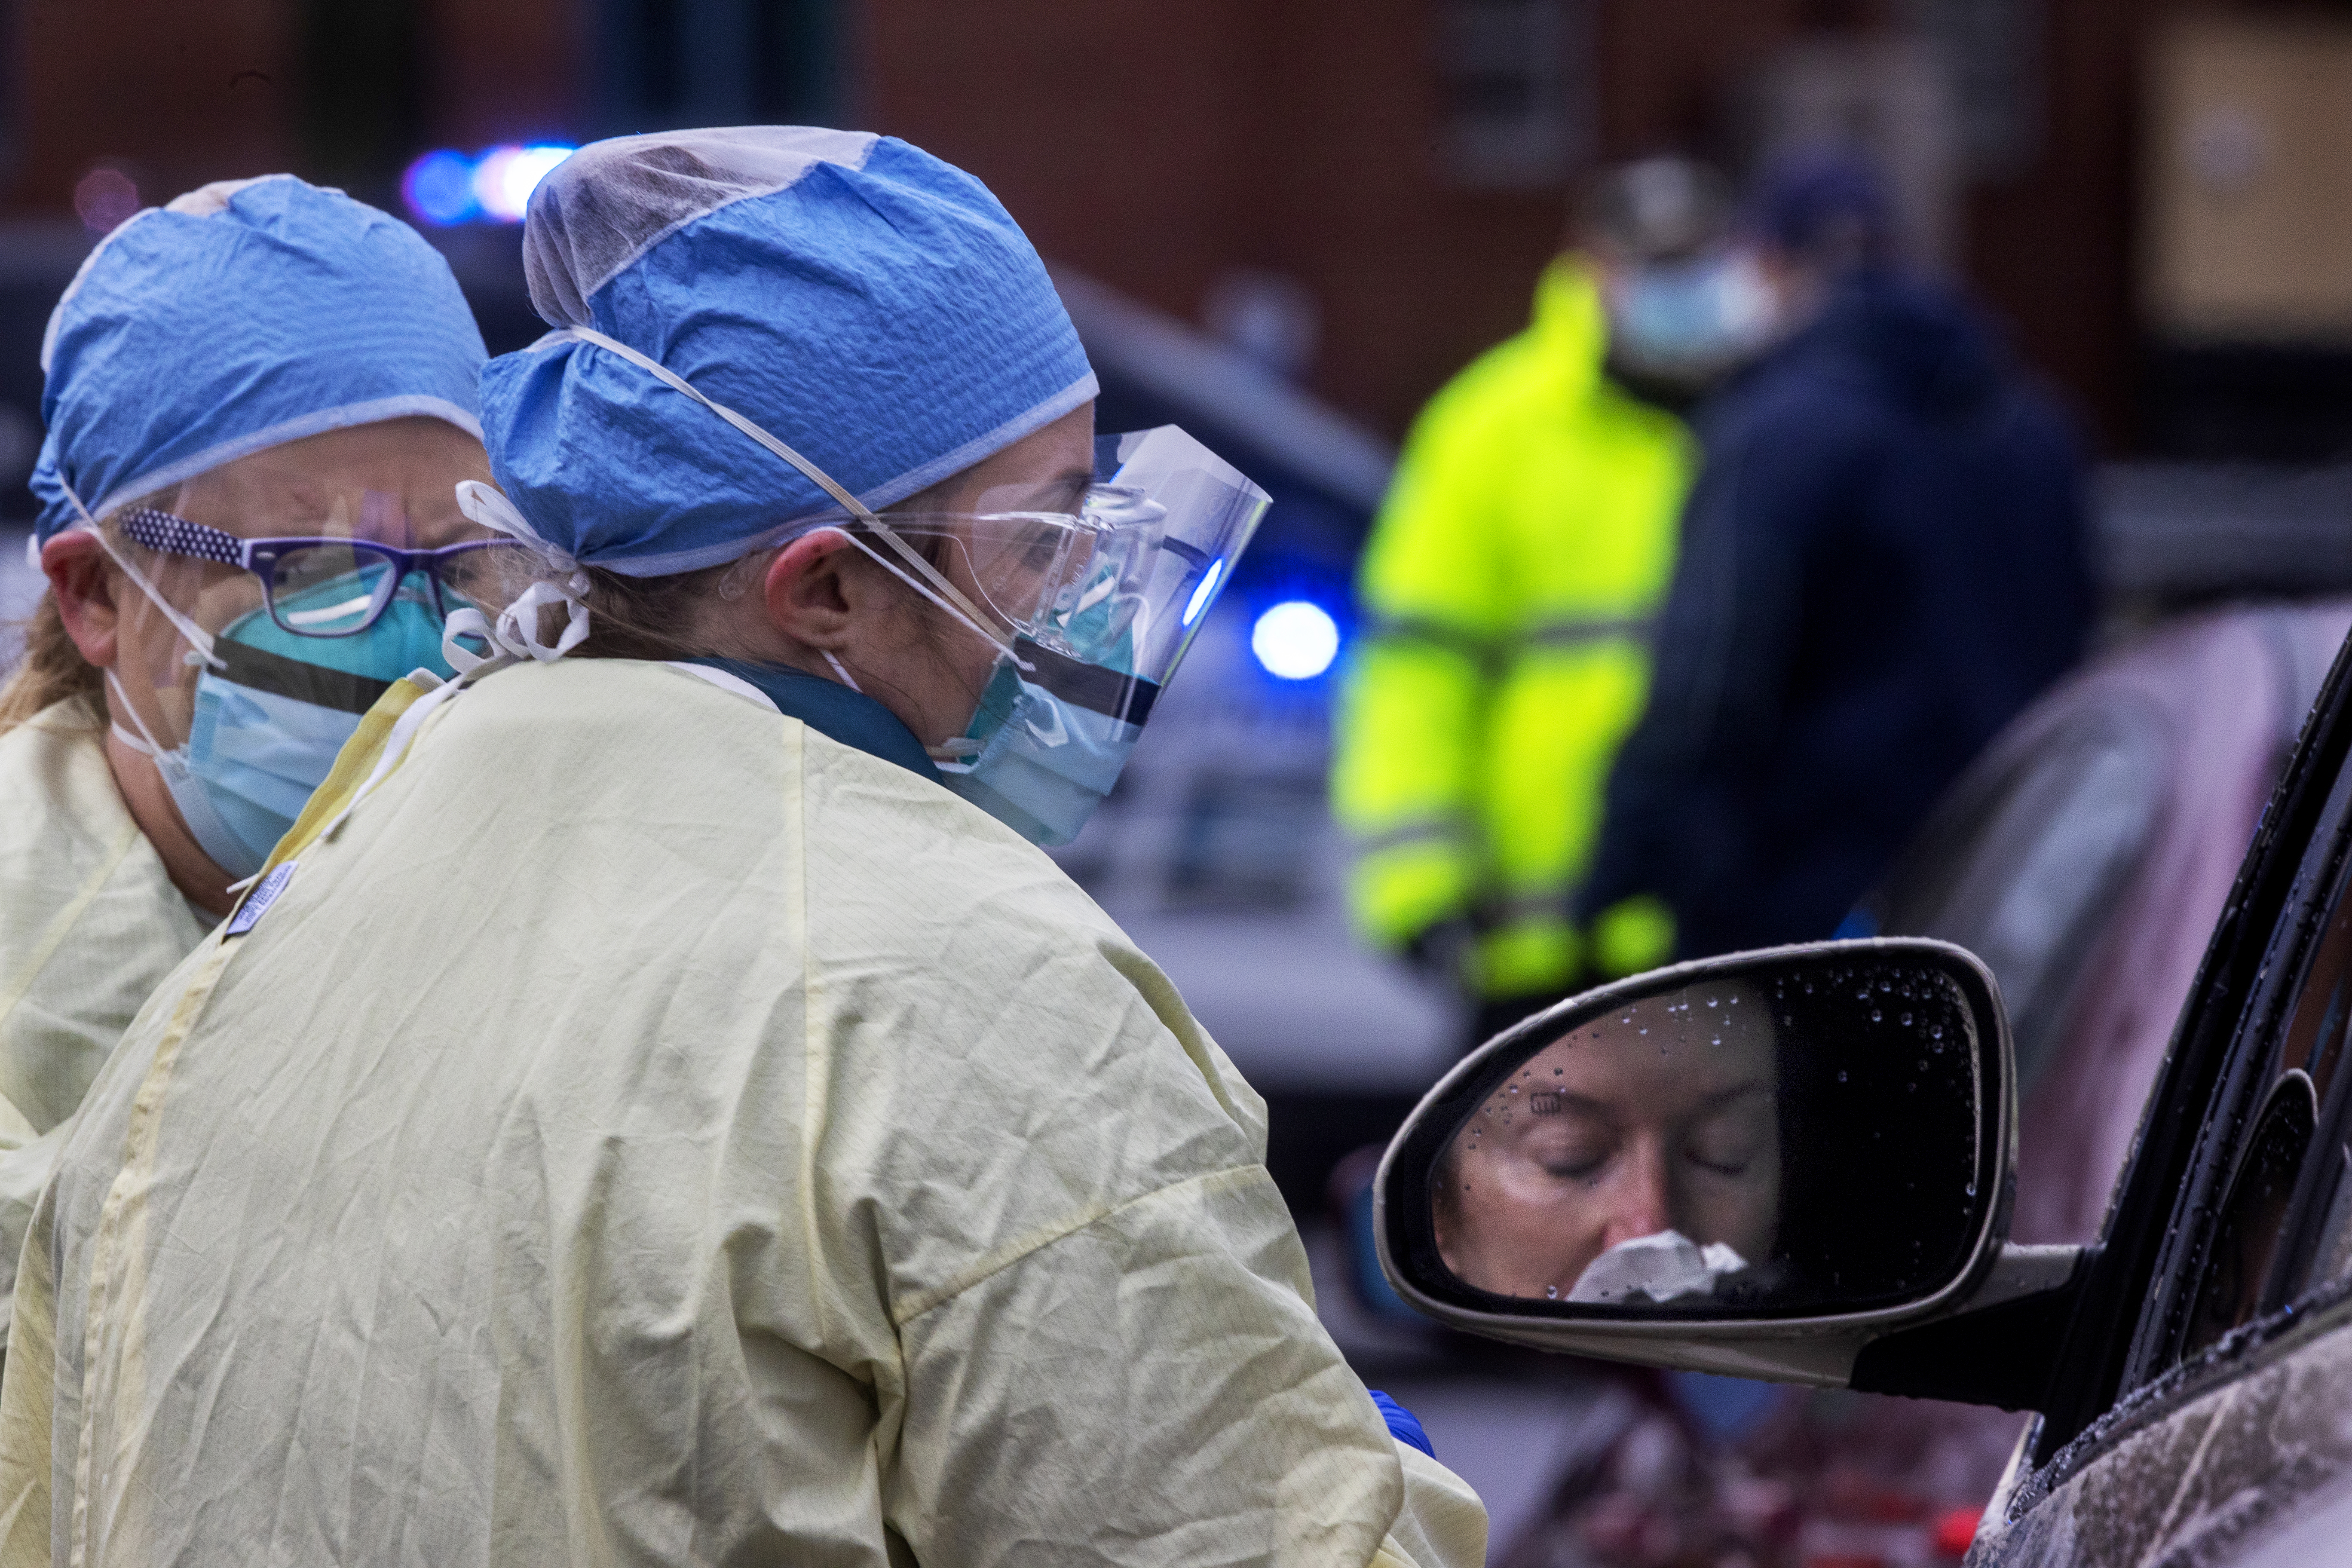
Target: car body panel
2223 1466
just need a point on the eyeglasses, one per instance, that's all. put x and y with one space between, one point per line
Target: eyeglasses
320 587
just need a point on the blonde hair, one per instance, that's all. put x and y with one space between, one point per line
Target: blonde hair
49 668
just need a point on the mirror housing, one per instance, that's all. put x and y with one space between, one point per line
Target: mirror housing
1905 1334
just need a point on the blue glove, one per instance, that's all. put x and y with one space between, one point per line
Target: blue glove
1402 1426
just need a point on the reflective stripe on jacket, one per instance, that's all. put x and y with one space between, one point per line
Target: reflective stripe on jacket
1507 590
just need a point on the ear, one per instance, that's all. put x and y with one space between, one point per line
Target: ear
76 565
811 589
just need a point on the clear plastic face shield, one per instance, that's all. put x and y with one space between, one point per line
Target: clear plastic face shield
1091 612
270 603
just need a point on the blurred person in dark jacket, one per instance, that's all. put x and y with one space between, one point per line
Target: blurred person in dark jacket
1883 561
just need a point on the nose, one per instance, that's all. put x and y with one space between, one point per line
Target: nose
1638 1200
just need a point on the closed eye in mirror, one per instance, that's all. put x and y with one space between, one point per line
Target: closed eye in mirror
1754 1164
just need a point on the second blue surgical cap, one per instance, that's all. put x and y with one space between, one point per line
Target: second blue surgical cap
242 316
869 306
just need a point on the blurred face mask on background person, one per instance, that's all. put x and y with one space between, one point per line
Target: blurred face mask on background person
264 612
1691 320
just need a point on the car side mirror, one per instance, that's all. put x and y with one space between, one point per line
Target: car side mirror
1764 1165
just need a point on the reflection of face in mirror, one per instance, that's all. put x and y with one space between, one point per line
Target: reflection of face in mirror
1657 1125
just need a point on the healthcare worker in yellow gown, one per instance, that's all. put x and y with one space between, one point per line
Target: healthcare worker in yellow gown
258 358
663 1107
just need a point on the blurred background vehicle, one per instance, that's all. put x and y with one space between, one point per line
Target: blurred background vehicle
1287 227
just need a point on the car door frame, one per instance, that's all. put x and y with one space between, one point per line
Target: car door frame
2144 1262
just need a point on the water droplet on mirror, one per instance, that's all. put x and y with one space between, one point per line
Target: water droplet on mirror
1713 1003
1840 1077
1972 1189
1876 1017
1551 1292
1906 1020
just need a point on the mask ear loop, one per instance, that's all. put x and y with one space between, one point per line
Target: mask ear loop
200 641
143 742
941 591
842 670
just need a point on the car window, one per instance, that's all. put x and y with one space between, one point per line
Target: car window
2023 861
2281 1226
2282 1229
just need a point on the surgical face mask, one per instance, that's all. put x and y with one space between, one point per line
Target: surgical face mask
272 709
1090 612
1691 321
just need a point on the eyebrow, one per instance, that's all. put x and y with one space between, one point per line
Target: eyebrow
1583 1104
1568 1099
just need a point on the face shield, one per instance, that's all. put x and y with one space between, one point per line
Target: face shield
1091 613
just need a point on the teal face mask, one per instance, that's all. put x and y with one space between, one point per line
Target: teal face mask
272 711
1052 740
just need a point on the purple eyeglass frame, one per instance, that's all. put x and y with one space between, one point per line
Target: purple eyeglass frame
172 535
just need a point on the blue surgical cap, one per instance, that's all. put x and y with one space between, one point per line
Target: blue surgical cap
242 316
871 307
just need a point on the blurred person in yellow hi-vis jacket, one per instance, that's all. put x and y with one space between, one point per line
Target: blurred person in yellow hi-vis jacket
1508 587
